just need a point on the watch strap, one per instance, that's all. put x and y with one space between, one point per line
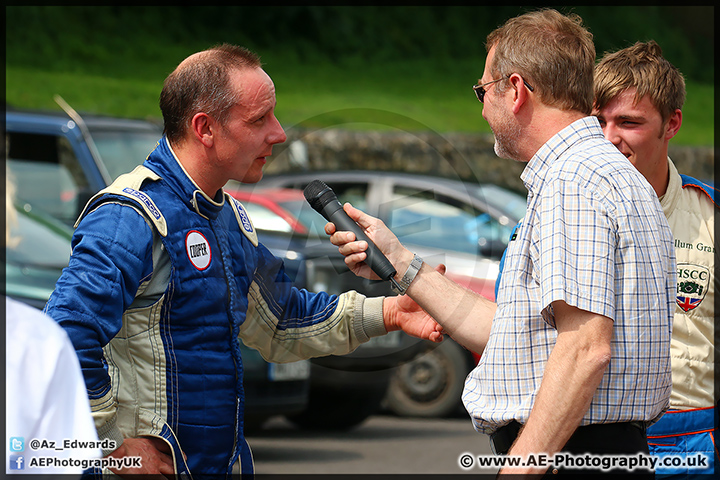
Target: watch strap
410 274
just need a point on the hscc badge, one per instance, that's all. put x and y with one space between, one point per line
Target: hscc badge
693 281
198 249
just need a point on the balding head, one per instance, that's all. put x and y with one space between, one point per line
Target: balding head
201 83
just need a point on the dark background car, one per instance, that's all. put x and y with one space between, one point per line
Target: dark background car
466 226
57 163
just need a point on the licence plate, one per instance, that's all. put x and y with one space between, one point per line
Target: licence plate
278 372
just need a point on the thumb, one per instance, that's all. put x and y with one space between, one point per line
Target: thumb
360 217
441 269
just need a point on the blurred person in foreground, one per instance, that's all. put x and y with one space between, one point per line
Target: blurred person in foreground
638 99
45 397
167 274
575 353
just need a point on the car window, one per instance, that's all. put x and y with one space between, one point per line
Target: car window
122 151
307 216
421 217
265 219
353 193
47 175
510 203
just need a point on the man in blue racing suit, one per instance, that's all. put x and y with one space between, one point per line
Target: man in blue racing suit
166 273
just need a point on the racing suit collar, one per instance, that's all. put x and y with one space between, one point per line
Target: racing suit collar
165 163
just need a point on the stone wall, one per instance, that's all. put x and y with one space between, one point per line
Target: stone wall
465 156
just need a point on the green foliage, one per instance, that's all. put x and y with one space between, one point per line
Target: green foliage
409 60
60 37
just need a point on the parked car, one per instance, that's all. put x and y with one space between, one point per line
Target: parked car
344 390
463 225
466 226
57 164
34 263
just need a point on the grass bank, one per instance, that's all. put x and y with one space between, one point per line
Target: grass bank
409 95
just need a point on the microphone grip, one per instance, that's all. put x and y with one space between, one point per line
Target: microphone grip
333 212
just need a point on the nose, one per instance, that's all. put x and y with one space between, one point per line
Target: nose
612 134
277 134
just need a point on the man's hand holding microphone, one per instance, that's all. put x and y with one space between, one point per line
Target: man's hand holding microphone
351 230
369 246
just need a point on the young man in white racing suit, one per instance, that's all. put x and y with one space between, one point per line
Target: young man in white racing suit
638 100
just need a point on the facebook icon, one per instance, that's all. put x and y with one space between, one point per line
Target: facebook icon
17 462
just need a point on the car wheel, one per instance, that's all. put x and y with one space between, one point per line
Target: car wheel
329 409
431 384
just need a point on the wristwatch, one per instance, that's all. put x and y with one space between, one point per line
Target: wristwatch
409 276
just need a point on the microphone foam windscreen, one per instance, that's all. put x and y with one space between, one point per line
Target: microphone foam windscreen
314 189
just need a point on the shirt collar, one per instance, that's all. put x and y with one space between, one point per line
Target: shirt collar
533 176
670 198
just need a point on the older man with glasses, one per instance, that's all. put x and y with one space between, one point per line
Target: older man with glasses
480 90
575 353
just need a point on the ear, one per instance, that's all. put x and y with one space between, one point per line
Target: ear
520 95
673 124
201 127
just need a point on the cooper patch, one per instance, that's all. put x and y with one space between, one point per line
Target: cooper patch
693 281
198 249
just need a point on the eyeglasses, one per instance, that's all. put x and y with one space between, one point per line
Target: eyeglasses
480 89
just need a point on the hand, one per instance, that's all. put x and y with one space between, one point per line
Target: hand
354 251
403 313
155 454
517 473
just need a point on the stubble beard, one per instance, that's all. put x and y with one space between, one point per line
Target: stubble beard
506 139
507 134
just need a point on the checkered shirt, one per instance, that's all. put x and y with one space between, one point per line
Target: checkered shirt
594 236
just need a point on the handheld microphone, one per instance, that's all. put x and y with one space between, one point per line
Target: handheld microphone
325 202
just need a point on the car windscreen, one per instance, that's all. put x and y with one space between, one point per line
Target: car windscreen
510 203
38 242
123 150
306 215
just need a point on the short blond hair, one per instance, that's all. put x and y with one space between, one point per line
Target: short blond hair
553 52
643 67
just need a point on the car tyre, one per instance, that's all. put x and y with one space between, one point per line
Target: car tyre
431 384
